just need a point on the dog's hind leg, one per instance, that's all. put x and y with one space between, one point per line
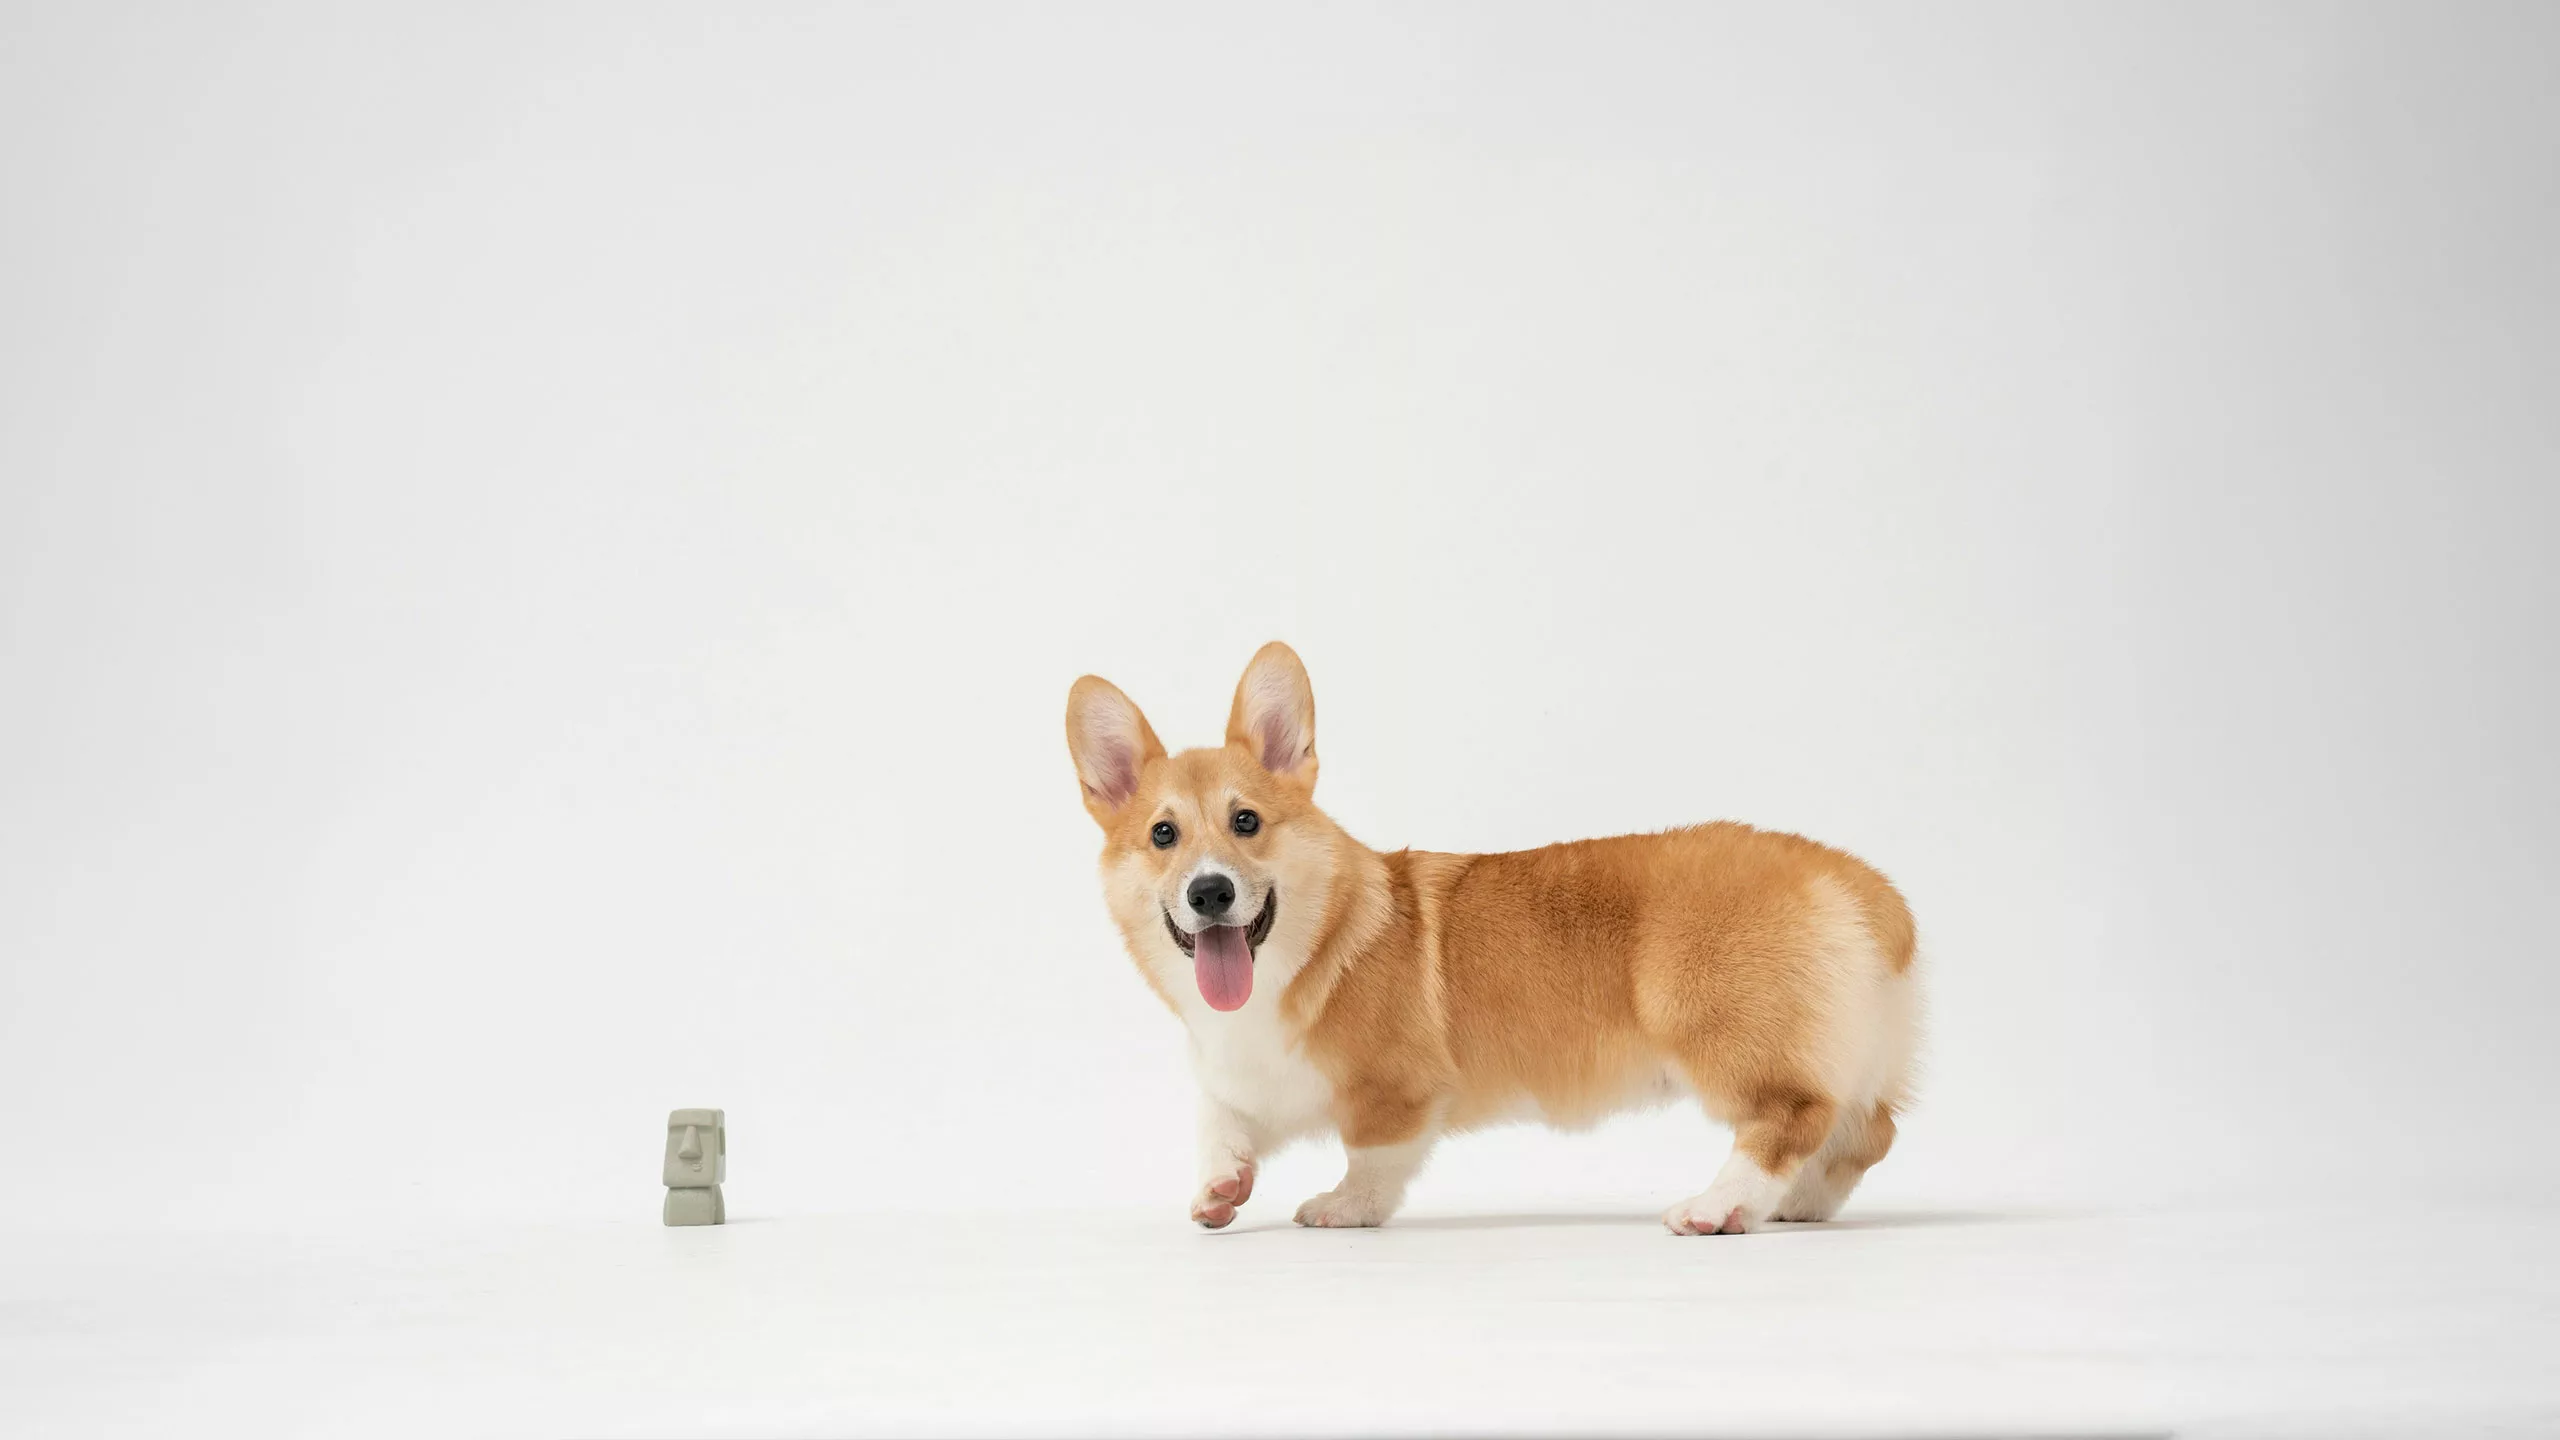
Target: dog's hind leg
1776 1132
1859 1140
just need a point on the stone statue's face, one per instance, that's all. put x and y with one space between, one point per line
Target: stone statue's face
695 1150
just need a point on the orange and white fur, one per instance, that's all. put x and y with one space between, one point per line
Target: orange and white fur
1392 998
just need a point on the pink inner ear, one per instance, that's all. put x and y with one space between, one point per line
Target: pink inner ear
1279 744
1116 768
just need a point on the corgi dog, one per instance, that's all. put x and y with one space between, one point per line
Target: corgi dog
1392 998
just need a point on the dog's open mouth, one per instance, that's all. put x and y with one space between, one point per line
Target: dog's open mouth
1222 955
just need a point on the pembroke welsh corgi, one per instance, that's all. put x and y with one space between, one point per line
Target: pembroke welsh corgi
1392 998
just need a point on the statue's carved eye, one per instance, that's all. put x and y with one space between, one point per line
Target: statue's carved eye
1164 834
1247 823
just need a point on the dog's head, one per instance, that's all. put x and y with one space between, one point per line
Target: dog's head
1210 854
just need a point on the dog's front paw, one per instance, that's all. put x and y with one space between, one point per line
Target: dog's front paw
1215 1205
1344 1210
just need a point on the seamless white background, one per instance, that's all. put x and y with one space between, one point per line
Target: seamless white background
542 552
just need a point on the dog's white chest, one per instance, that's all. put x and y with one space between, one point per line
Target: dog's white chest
1246 1061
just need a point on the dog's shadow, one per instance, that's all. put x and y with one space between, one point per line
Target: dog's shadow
1878 1220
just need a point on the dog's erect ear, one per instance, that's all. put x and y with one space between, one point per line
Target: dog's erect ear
1275 715
1111 743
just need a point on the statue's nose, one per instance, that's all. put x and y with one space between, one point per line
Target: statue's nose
691 1149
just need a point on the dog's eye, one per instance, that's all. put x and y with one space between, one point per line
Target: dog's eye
1164 834
1246 822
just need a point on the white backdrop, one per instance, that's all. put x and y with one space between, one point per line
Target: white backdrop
542 553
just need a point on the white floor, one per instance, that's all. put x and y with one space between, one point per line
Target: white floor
2389 1320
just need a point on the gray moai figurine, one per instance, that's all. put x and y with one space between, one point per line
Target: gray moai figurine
697 1161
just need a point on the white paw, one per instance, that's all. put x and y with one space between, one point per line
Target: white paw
1811 1211
1717 1210
1215 1203
1344 1210
1813 1198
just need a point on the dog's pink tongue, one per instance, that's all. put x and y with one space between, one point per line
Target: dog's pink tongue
1224 964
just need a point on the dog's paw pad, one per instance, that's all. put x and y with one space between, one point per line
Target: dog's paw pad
1705 1215
1234 1189
1215 1205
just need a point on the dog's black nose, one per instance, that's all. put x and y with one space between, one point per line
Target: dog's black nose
1211 894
